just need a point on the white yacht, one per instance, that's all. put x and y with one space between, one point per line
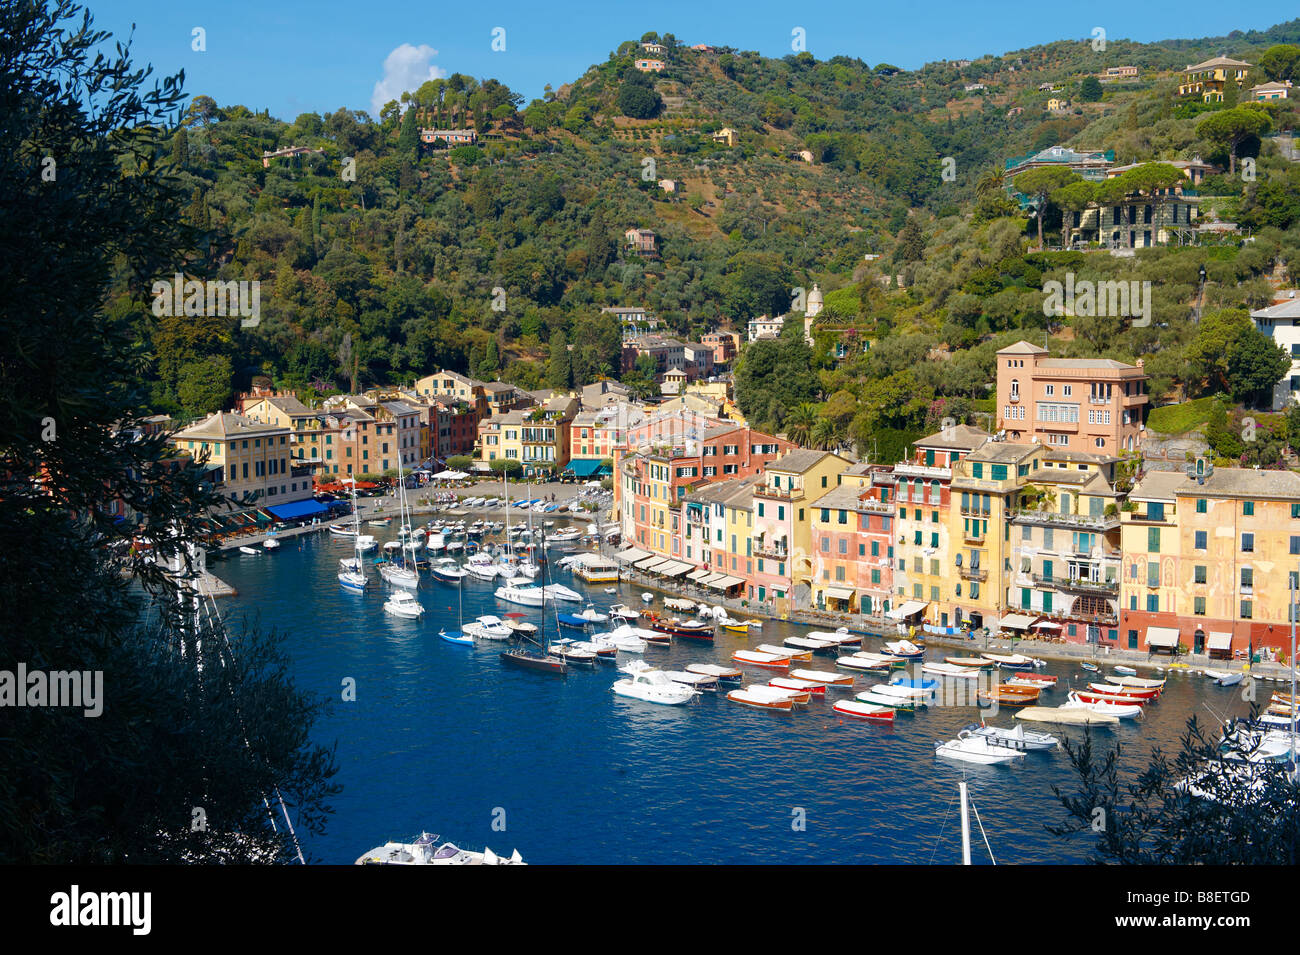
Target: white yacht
482 566
487 627
446 569
402 603
646 683
526 596
426 851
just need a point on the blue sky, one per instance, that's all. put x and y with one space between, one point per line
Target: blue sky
294 58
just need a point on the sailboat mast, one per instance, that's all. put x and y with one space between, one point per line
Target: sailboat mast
965 824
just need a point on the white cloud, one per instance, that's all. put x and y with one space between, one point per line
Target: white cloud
406 69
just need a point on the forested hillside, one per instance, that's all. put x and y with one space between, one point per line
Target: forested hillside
379 255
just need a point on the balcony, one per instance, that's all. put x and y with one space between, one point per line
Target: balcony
929 472
977 574
975 535
976 513
780 493
1099 522
772 551
1106 588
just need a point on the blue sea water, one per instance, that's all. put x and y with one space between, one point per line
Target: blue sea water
446 739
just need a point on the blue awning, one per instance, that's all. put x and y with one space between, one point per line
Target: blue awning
289 512
587 467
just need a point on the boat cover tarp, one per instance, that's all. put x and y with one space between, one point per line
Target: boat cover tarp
1220 640
1162 636
1017 621
289 512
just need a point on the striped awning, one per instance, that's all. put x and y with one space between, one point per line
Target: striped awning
708 581
699 574
650 563
632 555
673 568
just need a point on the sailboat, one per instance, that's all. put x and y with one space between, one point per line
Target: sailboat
402 575
458 637
352 576
538 658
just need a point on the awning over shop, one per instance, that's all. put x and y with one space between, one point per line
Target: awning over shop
708 581
908 609
699 574
651 563
1046 625
722 582
1162 637
674 568
632 555
1218 640
1017 621
290 512
587 467
839 593
728 582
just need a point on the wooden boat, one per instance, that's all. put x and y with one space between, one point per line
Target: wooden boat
1088 696
1046 679
686 629
536 660
1010 661
841 637
803 655
756 658
696 681
736 626
951 671
1124 680
881 699
721 673
798 697
863 664
1005 695
828 677
1054 714
809 643
1091 667
1111 689
906 649
864 711
762 702
1017 738
800 685
974 663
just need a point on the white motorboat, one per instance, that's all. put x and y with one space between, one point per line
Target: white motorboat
592 615
648 597
487 627
446 569
426 851
1016 738
627 638
646 683
402 603
1124 711
563 537
530 595
969 748
520 627
1225 677
482 566
624 612
251 551
271 543
562 593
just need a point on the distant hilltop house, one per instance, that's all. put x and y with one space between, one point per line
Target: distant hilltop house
1015 111
641 241
726 136
1057 104
1194 169
1267 91
668 185
287 151
658 49
959 64
1118 73
1281 322
650 66
1049 87
452 137
1208 79
975 87
634 319
1090 165
1140 221
704 48
806 155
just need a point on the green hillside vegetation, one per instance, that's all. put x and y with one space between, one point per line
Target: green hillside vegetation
390 273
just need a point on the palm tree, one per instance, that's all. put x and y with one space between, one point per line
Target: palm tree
824 435
800 421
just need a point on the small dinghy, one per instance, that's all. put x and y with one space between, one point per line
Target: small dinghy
648 598
1091 667
1136 692
951 671
1125 671
771 661
971 663
798 697
824 676
1011 661
1005 695
251 551
720 673
864 711
1225 677
456 637
882 699
762 701
905 649
798 685
1130 680
969 748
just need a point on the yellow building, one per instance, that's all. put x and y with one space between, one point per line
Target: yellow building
1209 79
538 438
1208 559
246 457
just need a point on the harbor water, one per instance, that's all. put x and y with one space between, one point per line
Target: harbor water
447 739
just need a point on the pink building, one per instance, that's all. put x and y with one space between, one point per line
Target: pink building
1081 404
